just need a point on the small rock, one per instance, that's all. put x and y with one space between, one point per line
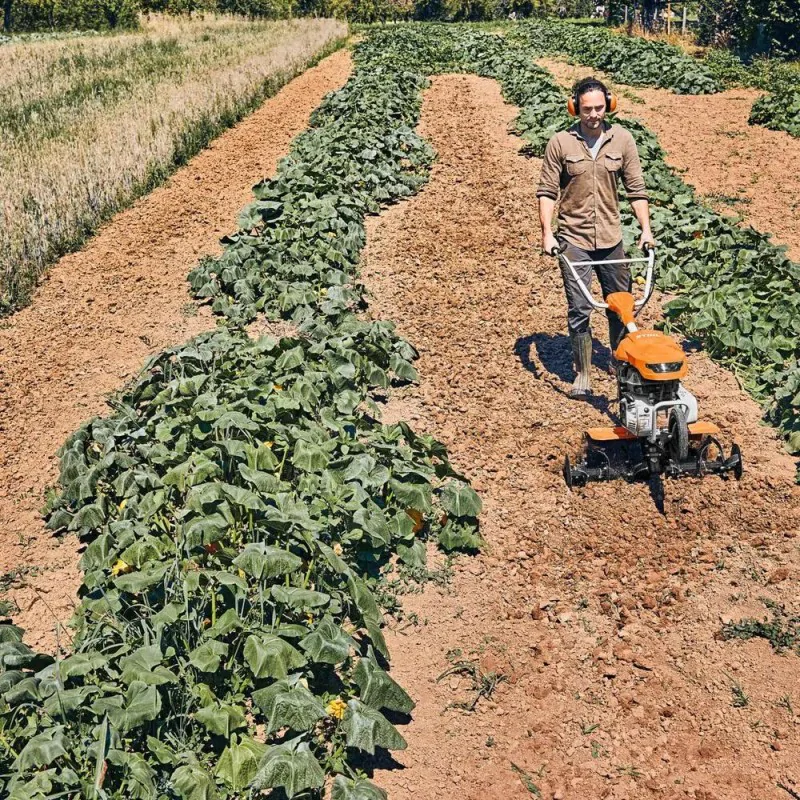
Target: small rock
643 663
779 575
777 745
623 653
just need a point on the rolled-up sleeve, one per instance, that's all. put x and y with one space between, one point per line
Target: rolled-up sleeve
632 177
550 176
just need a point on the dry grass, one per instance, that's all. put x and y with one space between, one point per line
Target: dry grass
88 124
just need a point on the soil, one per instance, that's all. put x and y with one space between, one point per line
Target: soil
100 313
601 612
740 169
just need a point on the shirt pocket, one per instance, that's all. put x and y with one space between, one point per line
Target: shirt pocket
613 161
576 165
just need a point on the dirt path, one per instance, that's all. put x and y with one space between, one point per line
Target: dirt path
739 168
600 611
102 311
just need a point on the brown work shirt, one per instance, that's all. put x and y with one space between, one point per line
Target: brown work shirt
588 214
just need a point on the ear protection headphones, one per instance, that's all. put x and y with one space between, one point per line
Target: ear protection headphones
573 104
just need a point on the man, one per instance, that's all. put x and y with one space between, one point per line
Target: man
584 164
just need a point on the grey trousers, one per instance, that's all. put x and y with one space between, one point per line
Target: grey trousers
613 278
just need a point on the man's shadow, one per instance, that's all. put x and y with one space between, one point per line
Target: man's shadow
549 356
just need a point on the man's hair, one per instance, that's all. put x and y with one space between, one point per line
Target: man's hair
585 85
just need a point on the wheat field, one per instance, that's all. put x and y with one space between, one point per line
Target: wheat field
88 124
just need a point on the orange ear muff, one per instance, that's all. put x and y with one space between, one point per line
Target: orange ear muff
612 102
571 107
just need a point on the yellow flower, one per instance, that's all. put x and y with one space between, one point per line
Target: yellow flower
336 708
120 568
267 444
122 505
310 618
242 573
277 387
337 548
640 280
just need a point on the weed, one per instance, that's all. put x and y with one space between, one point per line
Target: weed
8 608
16 577
740 698
782 631
527 780
730 200
630 770
587 728
483 683
598 751
786 702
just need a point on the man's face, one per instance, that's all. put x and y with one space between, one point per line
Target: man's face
592 109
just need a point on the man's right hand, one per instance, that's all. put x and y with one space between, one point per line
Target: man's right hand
549 243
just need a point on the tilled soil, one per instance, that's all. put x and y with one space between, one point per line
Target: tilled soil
741 169
601 612
98 316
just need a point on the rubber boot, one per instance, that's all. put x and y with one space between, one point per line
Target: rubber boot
616 330
582 356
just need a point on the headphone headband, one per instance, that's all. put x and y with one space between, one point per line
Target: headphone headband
573 104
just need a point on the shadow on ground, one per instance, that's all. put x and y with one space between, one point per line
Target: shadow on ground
547 356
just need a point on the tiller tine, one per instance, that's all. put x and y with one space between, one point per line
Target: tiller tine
632 460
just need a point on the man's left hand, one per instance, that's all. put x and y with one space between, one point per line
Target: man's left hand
646 238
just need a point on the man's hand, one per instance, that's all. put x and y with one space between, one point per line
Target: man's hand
646 238
549 242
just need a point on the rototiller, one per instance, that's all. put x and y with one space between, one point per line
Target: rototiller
660 433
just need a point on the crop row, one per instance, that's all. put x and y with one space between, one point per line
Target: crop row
239 507
642 62
629 59
779 109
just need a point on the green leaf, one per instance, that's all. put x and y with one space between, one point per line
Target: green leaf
137 774
290 766
265 561
377 689
221 718
145 665
309 457
142 704
192 782
270 656
42 750
414 555
90 517
207 656
289 704
239 761
327 643
137 582
459 536
412 495
358 789
299 599
460 500
366 728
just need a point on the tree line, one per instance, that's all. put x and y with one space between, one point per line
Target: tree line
747 27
